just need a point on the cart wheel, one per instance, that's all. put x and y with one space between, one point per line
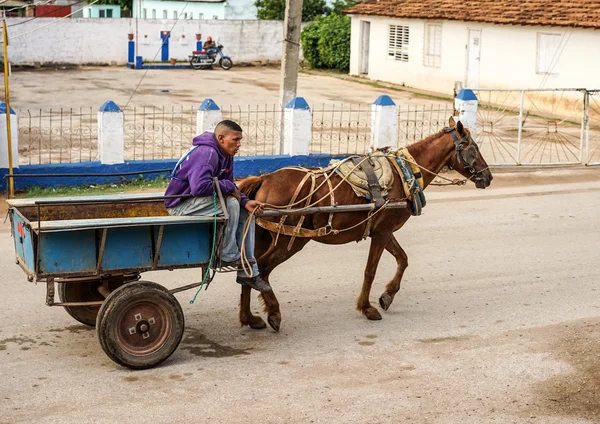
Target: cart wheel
140 325
87 291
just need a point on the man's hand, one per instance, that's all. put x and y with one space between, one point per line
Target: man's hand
254 206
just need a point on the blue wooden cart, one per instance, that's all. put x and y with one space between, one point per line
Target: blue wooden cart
92 251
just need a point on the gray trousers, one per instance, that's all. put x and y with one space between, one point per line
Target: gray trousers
234 231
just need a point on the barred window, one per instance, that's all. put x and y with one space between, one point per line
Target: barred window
548 53
398 43
433 45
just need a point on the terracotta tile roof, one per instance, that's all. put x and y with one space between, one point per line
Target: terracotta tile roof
567 13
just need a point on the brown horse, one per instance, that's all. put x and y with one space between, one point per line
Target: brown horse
452 147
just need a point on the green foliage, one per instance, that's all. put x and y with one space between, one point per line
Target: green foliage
125 4
275 9
136 184
326 42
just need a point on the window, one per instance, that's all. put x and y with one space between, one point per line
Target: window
433 45
174 14
398 43
200 15
144 13
215 17
191 15
109 13
153 13
165 14
548 53
102 13
185 15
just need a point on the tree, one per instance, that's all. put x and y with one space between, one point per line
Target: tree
275 9
326 42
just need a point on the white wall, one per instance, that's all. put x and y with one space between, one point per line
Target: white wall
104 41
230 9
508 56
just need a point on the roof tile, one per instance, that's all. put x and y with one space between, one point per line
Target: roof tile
564 13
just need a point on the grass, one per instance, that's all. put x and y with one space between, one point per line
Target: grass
139 183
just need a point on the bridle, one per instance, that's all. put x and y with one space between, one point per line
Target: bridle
460 154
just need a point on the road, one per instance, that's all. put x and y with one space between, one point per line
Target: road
497 321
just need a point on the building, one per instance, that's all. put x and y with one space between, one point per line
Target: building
194 9
433 44
13 8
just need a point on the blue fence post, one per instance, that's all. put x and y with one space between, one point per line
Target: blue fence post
208 116
384 122
111 134
297 128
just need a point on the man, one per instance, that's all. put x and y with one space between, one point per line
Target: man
209 44
212 156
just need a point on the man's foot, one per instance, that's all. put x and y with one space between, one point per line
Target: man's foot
256 283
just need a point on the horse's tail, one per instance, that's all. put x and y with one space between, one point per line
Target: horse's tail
250 186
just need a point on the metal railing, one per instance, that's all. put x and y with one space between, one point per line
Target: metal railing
261 127
341 129
416 122
532 127
58 135
158 133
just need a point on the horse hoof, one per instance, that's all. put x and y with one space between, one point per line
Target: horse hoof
372 314
385 301
257 323
274 322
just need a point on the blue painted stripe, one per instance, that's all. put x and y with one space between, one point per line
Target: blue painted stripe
244 167
3 109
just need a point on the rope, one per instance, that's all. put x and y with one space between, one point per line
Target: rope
451 182
212 254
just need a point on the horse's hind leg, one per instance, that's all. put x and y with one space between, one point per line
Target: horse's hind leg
386 299
275 256
378 243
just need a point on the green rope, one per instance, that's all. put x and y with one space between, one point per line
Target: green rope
214 248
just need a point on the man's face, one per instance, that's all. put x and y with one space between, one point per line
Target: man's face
230 142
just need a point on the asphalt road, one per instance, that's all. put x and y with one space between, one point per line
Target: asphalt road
497 321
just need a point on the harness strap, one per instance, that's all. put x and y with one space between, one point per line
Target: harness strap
301 220
372 181
289 230
294 196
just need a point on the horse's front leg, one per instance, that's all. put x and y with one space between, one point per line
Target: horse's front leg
393 286
378 243
246 316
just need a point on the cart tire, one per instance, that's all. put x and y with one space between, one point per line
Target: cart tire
225 63
86 291
140 325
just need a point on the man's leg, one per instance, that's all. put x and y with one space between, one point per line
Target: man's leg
248 243
255 281
231 252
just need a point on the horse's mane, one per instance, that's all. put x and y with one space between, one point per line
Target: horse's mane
418 146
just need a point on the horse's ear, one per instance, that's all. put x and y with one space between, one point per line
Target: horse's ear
460 128
451 122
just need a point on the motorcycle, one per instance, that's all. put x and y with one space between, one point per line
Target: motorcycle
204 59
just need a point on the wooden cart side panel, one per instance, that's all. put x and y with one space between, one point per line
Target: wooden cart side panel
24 240
185 244
68 252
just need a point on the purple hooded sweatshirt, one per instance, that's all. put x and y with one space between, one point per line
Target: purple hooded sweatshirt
195 174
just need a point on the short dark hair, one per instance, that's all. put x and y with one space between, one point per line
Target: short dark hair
226 125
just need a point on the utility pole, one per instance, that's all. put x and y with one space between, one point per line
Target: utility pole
292 25
11 186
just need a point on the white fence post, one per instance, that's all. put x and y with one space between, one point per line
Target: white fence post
208 116
466 103
14 131
384 123
111 134
297 128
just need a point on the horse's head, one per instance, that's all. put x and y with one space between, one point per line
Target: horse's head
467 159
